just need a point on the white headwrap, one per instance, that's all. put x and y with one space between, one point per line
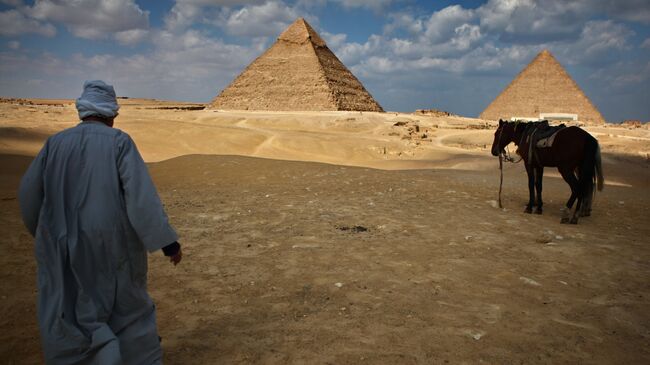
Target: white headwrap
98 99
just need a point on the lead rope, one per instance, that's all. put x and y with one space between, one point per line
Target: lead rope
500 169
501 180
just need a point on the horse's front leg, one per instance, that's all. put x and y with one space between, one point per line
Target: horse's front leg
539 174
531 189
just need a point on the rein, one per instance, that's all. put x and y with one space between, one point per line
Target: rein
504 155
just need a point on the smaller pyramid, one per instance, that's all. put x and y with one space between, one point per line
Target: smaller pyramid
541 90
298 72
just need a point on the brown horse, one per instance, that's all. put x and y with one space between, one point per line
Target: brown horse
575 153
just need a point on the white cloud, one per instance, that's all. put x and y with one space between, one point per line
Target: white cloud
185 12
529 21
624 74
504 14
92 19
334 40
599 42
443 24
629 10
352 53
465 36
403 21
13 23
132 36
268 19
375 5
186 66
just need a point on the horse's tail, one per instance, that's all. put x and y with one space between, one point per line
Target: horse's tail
600 182
588 176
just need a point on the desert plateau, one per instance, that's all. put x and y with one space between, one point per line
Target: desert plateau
358 238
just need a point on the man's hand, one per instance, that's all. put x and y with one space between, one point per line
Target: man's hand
175 259
174 252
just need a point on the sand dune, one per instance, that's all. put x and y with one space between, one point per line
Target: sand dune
346 238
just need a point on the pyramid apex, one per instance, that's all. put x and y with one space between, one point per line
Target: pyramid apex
545 53
300 32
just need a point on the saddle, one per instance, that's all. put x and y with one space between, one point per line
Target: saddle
541 135
546 140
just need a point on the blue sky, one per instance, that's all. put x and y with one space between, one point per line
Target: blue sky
450 55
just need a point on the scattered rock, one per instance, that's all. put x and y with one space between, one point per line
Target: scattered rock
305 245
475 334
354 229
529 281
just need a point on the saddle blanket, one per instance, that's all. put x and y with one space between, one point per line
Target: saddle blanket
547 141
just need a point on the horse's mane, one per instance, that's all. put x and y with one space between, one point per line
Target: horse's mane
529 125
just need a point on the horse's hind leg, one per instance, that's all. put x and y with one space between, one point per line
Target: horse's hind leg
539 174
585 210
576 213
570 178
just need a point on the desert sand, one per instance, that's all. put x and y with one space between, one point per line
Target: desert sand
358 238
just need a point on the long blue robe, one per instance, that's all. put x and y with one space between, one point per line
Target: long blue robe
90 203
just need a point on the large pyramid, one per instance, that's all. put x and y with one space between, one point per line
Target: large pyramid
298 72
543 90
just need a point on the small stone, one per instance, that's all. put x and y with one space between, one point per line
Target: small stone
338 285
529 281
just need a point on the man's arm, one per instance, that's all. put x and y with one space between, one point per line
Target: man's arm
143 206
31 193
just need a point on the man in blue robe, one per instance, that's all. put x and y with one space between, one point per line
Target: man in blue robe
90 203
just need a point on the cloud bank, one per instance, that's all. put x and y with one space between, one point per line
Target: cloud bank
453 58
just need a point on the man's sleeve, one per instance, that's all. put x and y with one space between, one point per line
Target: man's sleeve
30 192
143 206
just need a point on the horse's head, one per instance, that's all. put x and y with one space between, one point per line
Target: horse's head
502 137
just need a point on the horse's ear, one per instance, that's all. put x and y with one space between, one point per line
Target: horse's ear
500 122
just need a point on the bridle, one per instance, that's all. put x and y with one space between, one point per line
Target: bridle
505 151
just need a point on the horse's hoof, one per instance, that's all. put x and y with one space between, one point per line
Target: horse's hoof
528 210
538 211
574 221
564 220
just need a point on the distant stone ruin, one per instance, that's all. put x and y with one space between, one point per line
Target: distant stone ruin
434 113
543 90
299 72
